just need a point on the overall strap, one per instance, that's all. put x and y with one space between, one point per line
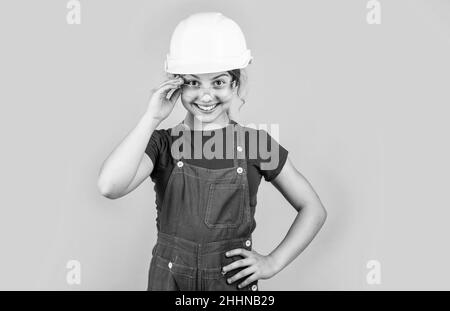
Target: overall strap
182 132
239 158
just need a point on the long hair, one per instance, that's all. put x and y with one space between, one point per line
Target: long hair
239 76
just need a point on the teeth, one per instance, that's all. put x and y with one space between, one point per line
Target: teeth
206 108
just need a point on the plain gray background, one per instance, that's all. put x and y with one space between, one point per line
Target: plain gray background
362 110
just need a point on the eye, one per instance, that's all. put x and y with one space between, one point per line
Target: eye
220 82
191 83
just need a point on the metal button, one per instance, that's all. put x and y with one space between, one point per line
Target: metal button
170 265
240 170
180 163
248 243
239 148
254 287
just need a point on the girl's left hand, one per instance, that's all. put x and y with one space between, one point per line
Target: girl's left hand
259 266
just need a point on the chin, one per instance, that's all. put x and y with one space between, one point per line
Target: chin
206 118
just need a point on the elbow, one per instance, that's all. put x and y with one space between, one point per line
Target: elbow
316 212
321 215
105 189
324 215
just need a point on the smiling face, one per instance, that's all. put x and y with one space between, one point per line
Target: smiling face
208 96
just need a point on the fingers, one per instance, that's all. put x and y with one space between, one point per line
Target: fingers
241 274
252 278
238 251
239 263
165 87
174 96
169 84
170 92
177 80
250 260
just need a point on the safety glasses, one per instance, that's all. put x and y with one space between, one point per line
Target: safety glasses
195 85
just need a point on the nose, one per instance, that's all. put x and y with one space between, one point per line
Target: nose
206 98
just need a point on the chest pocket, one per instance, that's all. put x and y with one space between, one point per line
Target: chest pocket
225 205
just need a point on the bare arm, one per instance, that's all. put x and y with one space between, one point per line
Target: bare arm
127 166
310 218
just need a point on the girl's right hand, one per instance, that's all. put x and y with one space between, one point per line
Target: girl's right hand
159 105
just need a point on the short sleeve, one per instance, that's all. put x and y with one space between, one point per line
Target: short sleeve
271 157
154 147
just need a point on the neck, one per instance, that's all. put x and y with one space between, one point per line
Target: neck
196 125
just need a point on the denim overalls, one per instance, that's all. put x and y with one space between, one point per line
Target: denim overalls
204 213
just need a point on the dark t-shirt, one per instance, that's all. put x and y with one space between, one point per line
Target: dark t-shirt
159 151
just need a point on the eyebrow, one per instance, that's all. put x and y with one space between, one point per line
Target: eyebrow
223 74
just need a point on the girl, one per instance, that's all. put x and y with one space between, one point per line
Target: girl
206 205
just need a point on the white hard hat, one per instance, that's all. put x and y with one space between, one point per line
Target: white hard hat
207 42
